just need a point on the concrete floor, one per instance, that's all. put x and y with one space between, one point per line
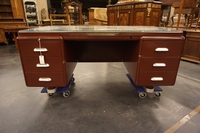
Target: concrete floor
101 101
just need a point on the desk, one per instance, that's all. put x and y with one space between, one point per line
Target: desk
151 55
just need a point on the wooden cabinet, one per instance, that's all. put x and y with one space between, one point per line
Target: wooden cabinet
74 9
159 60
49 72
191 50
11 14
134 13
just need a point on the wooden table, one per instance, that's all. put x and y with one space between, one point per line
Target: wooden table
151 55
14 30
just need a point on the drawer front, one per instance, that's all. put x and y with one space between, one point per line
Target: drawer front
49 46
161 46
159 64
45 79
156 78
140 5
52 64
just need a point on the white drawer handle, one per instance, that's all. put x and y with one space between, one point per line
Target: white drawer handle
42 65
156 79
161 49
159 65
45 79
40 50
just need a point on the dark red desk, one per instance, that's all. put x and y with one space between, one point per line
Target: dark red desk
151 55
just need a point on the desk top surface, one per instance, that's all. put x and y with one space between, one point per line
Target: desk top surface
100 29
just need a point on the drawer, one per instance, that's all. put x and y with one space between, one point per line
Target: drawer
159 64
46 79
161 46
140 5
52 64
156 78
50 46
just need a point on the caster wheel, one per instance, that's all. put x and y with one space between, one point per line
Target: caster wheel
72 80
142 94
158 94
66 94
50 94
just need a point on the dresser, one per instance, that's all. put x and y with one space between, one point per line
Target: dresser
150 54
134 12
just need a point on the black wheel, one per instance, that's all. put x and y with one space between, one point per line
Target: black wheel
158 94
66 94
50 94
72 80
142 94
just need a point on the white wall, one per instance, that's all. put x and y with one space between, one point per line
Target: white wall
40 5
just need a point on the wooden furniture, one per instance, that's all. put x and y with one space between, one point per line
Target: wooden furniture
191 50
136 12
198 18
184 7
74 9
63 17
151 55
14 30
11 14
97 16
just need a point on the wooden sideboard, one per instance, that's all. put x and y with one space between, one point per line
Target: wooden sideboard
145 13
191 50
150 54
11 14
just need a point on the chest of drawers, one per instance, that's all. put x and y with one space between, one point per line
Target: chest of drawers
158 60
51 72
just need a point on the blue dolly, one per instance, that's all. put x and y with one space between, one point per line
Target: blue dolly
64 90
141 90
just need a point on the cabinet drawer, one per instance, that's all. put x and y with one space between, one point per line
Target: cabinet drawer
156 78
159 64
161 47
52 64
45 79
50 46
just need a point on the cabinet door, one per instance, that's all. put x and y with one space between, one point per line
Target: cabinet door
124 17
17 8
139 17
111 17
155 17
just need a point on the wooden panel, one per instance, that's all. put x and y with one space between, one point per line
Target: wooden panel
192 47
17 8
124 18
139 17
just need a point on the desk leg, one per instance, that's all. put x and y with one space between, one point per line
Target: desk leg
15 39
